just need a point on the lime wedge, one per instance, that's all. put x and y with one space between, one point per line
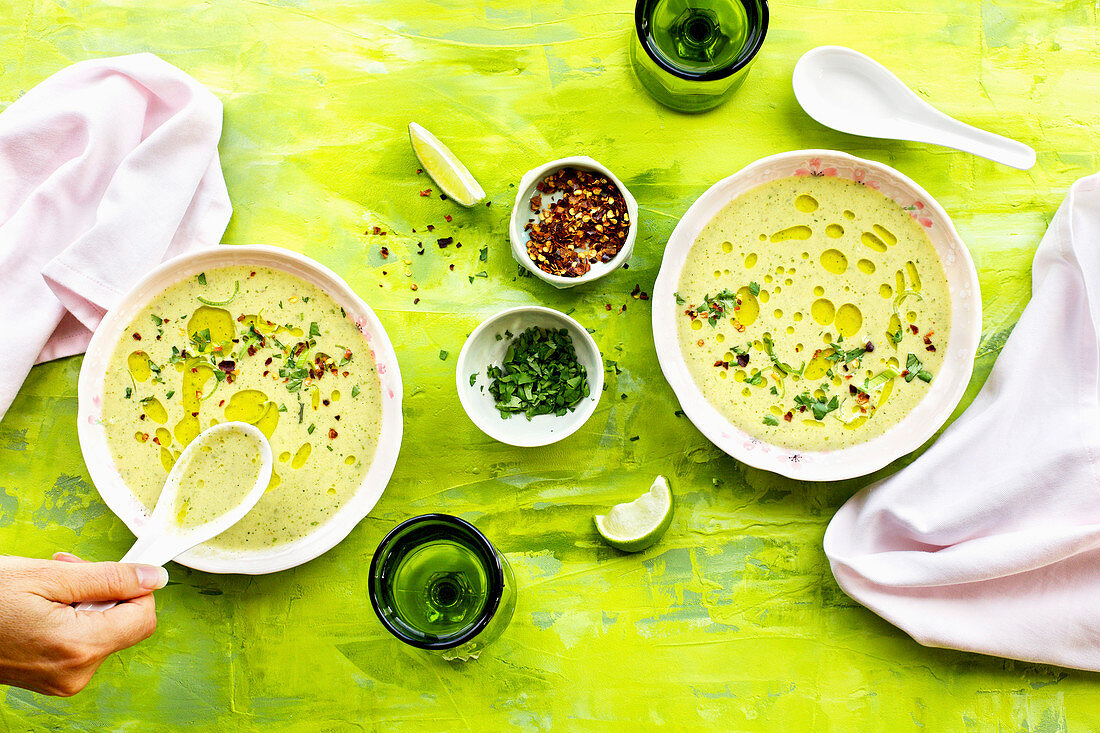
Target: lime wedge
636 525
444 168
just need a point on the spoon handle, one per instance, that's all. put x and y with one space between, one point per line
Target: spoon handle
955 134
148 550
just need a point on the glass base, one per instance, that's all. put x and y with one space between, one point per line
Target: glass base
682 95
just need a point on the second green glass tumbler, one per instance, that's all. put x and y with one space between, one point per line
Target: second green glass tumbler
693 54
437 583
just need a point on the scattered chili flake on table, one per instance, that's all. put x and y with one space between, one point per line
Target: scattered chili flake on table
539 375
588 223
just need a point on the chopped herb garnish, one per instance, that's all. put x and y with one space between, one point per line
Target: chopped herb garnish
679 299
314 329
770 420
473 378
769 346
483 254
819 407
282 408
169 395
755 380
754 288
914 369
896 336
201 278
539 375
227 301
129 392
443 355
311 428
713 309
355 391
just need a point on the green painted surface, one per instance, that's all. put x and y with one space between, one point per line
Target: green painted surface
733 621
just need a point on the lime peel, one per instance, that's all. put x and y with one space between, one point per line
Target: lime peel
639 524
445 168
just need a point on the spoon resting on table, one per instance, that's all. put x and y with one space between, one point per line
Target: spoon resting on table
848 91
217 479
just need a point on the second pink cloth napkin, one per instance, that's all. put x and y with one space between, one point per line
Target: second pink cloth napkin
990 541
107 168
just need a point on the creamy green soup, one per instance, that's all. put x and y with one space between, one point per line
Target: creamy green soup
814 312
217 477
259 346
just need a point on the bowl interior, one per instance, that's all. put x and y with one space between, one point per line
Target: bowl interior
522 214
944 392
483 349
93 435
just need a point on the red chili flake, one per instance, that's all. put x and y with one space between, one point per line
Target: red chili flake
155 439
266 372
789 416
240 318
252 274
220 404
376 231
325 403
337 417
332 433
608 306
194 414
868 347
742 360
227 365
443 197
929 347
416 300
488 204
447 217
137 337
913 328
384 252
419 171
141 416
414 287
431 227
345 374
723 364
384 273
426 192
452 268
268 362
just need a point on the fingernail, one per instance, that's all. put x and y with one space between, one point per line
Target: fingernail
152 577
65 556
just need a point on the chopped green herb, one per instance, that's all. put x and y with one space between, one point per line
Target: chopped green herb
770 420
539 375
769 346
227 301
896 336
679 299
714 309
913 369
473 378
282 408
443 355
355 391
773 390
129 392
819 407
483 254
755 380
311 428
201 278
169 395
754 288
314 329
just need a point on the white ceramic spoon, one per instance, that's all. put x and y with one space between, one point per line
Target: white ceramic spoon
850 92
162 538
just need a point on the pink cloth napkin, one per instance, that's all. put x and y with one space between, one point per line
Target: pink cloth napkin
107 168
990 542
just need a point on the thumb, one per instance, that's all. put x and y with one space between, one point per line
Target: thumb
71 582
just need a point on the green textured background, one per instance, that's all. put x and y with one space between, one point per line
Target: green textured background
734 620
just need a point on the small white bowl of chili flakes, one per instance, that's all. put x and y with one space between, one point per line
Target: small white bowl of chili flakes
573 222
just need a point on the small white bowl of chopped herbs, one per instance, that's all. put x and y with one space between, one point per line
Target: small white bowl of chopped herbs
529 376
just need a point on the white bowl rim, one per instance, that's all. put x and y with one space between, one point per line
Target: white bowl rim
92 436
521 214
579 416
862 458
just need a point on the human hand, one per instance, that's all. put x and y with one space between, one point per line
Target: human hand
48 646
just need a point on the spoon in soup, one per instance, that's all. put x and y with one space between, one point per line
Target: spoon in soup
217 479
848 91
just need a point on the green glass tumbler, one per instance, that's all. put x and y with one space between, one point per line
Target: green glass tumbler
437 583
691 55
